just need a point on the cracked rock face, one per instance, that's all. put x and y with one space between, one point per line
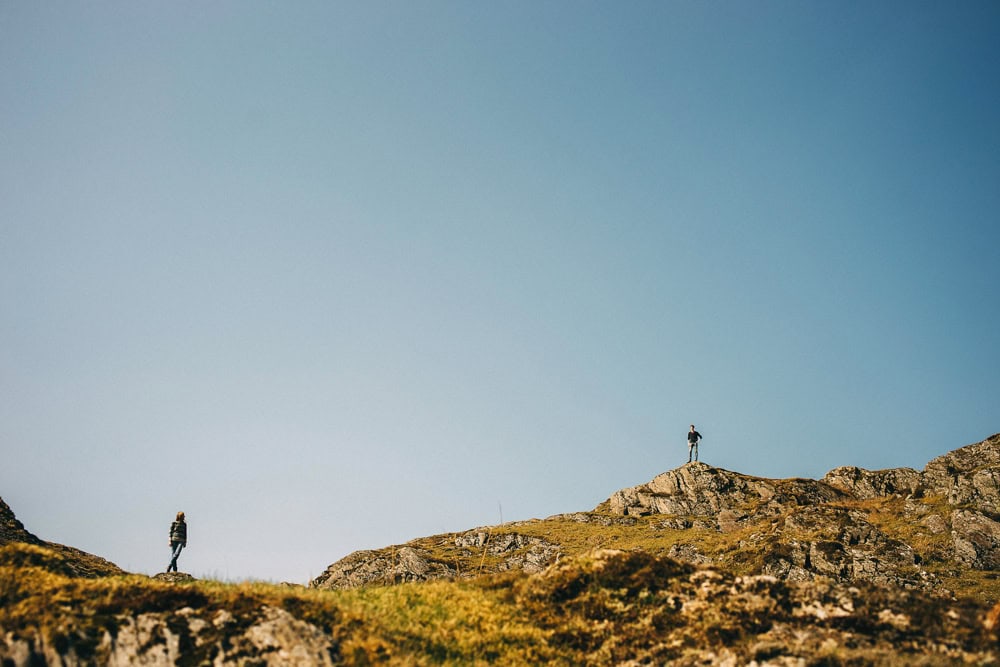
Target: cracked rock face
844 545
967 476
777 622
697 489
866 484
385 566
507 552
977 540
271 637
609 607
516 551
798 529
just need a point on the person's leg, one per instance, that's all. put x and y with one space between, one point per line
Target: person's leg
173 557
696 451
690 448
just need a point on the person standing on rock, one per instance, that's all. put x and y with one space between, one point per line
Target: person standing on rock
693 438
178 540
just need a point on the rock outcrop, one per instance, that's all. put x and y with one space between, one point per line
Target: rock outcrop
513 551
416 562
174 577
76 562
696 489
387 566
649 611
608 607
864 484
898 527
823 528
268 636
710 567
12 530
967 476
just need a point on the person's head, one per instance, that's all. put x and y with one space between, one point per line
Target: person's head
692 427
180 516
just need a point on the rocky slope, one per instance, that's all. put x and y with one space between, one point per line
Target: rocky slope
52 616
12 530
77 563
935 530
607 608
708 567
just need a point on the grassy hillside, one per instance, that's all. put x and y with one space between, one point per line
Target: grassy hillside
701 566
609 607
744 549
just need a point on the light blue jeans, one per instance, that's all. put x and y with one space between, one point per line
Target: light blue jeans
176 551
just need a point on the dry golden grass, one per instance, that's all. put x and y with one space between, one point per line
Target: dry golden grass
604 608
437 623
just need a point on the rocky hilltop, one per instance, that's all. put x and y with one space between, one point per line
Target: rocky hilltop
699 566
935 530
76 562
610 607
12 530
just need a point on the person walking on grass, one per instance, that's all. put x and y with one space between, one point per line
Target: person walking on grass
693 438
178 540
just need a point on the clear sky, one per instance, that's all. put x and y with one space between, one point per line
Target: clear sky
332 276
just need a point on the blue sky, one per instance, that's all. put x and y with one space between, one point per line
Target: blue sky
333 276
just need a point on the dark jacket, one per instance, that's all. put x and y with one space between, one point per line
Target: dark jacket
179 533
694 437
